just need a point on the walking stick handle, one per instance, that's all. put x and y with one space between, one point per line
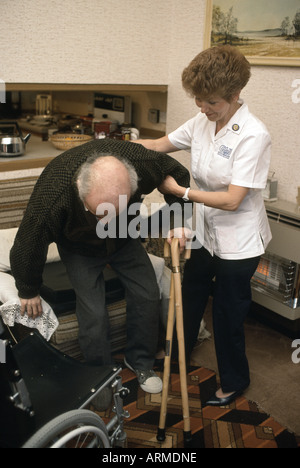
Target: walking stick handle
167 249
187 253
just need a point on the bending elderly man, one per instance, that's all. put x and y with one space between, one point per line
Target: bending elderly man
64 208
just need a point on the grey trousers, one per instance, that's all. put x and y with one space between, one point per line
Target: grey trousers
136 273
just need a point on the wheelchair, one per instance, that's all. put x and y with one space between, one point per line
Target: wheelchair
44 396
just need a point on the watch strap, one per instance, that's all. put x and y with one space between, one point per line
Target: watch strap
186 194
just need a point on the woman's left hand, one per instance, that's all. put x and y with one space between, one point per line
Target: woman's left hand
169 185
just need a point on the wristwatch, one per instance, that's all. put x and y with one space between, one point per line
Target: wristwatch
186 194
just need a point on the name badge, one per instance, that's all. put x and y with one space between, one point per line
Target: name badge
224 151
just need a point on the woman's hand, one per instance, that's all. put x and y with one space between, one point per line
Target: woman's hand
170 186
33 307
228 200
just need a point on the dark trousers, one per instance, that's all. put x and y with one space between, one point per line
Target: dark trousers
231 304
135 270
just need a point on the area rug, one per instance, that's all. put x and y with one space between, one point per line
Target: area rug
238 425
14 196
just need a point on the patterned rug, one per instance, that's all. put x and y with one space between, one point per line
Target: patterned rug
238 425
14 196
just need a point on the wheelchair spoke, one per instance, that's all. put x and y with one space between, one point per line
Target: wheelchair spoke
96 432
88 441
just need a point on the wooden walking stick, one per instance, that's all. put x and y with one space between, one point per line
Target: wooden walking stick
175 309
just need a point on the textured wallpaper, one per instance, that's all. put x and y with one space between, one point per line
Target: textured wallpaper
140 42
84 41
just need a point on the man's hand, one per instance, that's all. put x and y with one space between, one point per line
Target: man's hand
33 307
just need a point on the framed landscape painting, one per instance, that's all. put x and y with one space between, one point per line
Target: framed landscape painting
267 32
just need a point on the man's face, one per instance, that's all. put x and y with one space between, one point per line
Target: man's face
105 211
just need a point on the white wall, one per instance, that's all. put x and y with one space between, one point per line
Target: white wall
140 42
84 41
268 95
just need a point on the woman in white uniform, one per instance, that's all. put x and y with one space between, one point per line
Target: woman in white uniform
230 157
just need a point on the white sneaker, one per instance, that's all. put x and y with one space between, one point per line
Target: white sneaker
147 379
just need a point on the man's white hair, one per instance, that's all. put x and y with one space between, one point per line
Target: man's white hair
88 177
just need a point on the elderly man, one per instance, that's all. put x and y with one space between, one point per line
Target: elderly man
74 194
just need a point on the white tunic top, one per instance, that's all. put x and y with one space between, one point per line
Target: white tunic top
239 154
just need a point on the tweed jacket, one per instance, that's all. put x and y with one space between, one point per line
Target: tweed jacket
56 214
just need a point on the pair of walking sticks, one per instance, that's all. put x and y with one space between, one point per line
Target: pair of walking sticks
175 315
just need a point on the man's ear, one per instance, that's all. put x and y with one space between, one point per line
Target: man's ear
78 187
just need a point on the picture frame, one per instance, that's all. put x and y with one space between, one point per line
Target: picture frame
267 33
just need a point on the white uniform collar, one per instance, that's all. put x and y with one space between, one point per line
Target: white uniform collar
238 120
235 124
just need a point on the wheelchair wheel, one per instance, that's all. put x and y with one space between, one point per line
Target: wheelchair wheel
74 429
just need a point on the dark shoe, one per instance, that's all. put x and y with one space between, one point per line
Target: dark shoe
216 401
103 399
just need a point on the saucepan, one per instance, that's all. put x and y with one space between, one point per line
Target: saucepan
12 142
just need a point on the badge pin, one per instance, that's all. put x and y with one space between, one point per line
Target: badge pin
235 127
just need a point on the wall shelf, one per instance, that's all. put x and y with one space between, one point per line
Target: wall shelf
44 87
